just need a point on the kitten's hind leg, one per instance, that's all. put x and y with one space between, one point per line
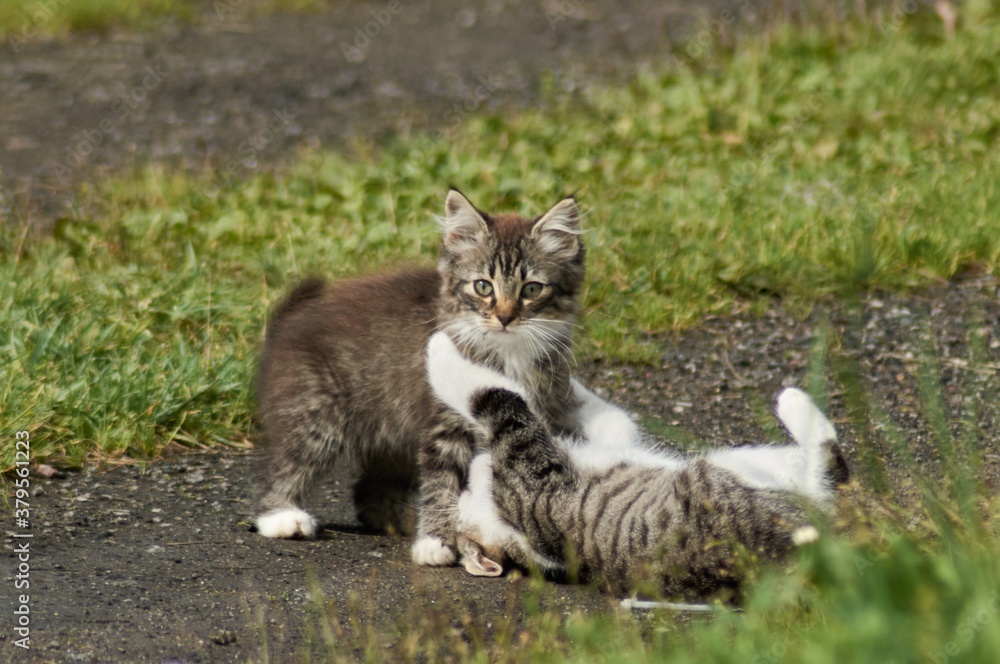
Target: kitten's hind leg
799 468
808 426
302 444
285 484
783 468
288 523
815 434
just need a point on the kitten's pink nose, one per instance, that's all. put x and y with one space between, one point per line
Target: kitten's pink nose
505 320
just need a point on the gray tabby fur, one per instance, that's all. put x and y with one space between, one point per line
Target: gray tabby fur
342 379
633 518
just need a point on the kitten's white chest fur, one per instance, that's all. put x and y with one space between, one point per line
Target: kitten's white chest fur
515 352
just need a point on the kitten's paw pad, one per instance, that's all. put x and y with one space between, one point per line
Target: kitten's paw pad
432 551
287 524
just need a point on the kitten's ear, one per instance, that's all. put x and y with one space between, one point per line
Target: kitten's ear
463 225
475 561
558 230
477 564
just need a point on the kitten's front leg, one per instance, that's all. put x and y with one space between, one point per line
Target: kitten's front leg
444 458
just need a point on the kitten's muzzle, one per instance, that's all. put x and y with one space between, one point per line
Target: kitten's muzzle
506 320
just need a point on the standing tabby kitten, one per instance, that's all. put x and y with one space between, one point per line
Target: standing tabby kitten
342 377
624 512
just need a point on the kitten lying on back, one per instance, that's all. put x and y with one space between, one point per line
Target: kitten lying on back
625 513
342 377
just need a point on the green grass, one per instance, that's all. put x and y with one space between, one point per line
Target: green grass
21 21
809 164
897 602
24 20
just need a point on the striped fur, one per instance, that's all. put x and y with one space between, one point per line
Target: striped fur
622 512
342 378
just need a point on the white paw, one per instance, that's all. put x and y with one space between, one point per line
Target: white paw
808 426
433 552
287 523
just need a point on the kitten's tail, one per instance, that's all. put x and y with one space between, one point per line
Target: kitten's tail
309 289
811 430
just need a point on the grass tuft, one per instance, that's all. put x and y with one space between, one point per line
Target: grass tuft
23 20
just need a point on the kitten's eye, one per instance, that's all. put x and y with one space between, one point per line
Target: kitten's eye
531 290
483 288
